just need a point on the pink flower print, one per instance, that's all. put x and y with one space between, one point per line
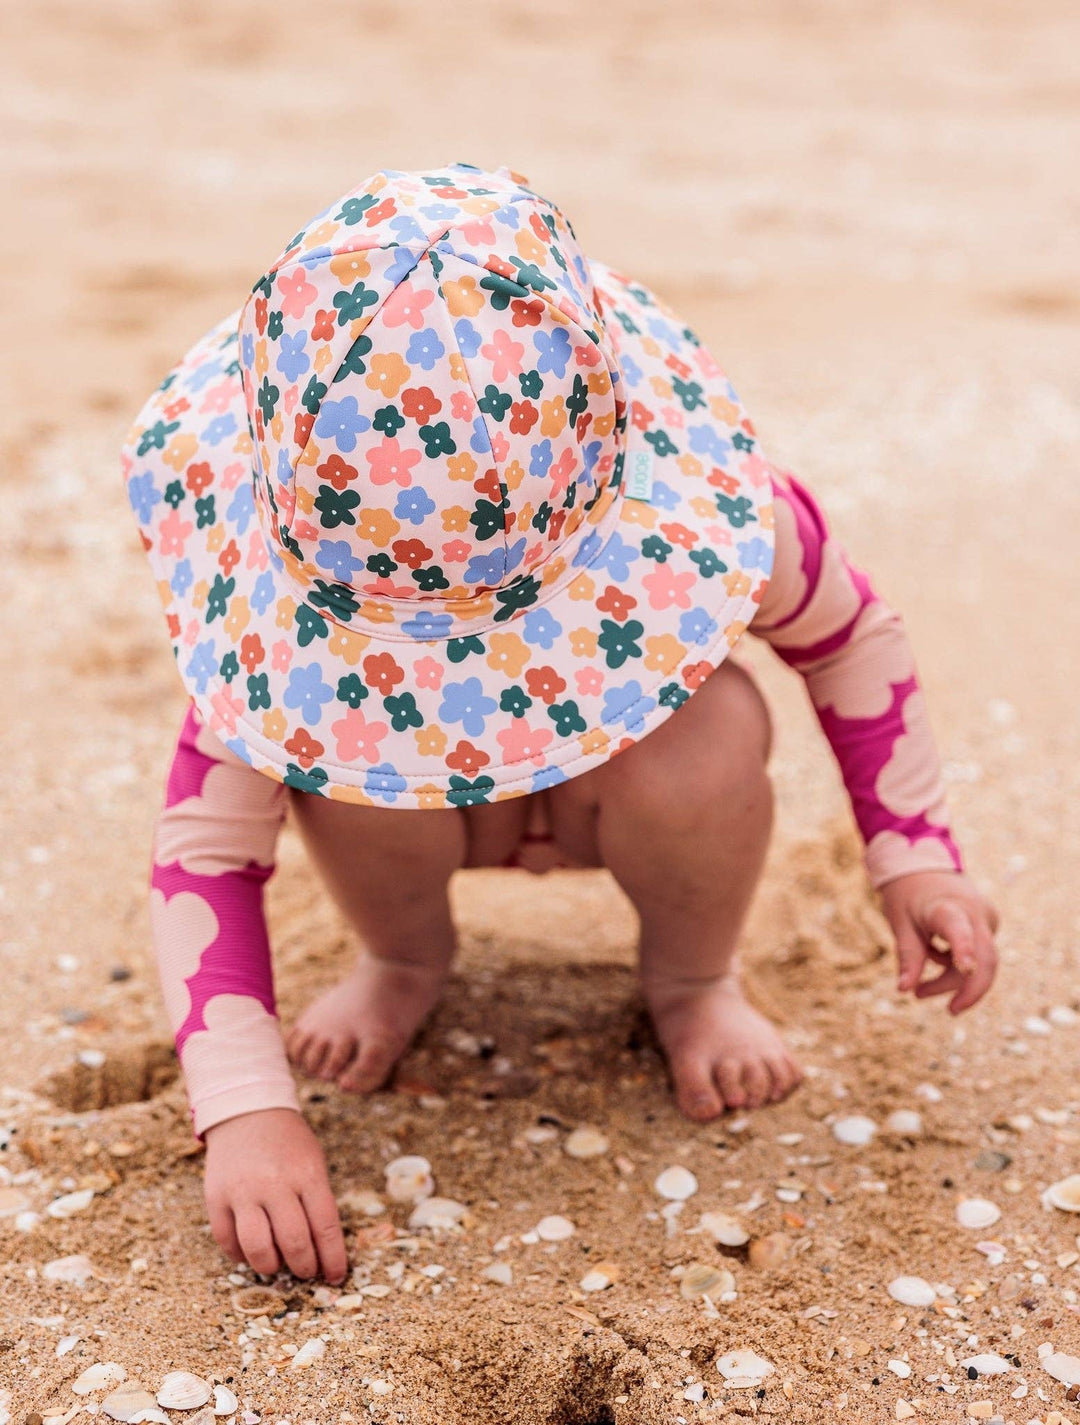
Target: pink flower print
504 353
428 672
462 405
356 737
173 532
217 399
295 292
456 551
384 588
227 707
230 476
290 398
500 447
257 556
589 681
478 232
286 502
666 587
718 534
406 304
587 354
191 633
522 743
561 471
390 463
673 416
282 656
304 529
755 469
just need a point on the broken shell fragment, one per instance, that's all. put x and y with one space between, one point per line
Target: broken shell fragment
977 1213
554 1228
98 1377
127 1402
676 1184
912 1291
499 1272
78 1270
703 1279
180 1390
586 1142
744 1370
855 1130
987 1364
70 1203
599 1277
441 1212
1064 1195
726 1230
905 1123
362 1200
766 1253
225 1402
1066 1369
310 1351
257 1301
409 1179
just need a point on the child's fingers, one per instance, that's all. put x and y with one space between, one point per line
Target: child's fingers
223 1226
911 956
325 1223
951 920
981 978
257 1240
293 1234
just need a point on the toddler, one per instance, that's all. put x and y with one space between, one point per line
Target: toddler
451 521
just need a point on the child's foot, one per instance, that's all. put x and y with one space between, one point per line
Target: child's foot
721 1052
358 1030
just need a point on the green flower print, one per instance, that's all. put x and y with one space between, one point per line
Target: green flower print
495 403
529 275
737 510
336 506
567 718
430 578
351 690
531 383
661 442
741 441
516 596
175 493
619 640
338 598
258 686
354 363
672 695
487 519
314 391
351 305
403 712
578 400
313 780
275 325
217 600
353 209
387 420
502 290
205 513
230 665
458 649
653 547
156 436
437 439
515 701
690 393
310 626
463 793
708 561
269 395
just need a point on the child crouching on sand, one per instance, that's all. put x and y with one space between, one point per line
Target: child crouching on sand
454 522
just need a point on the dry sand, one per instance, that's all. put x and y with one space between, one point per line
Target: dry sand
870 213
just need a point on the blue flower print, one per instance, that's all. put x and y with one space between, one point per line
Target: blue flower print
587 550
206 372
756 553
440 212
425 349
262 595
414 505
241 509
466 703
143 495
182 579
628 705
384 781
308 692
547 777
341 422
404 260
238 749
480 441
202 665
467 337
663 496
220 428
553 350
293 360
707 440
665 332
616 557
405 229
542 456
492 569
427 624
336 556
247 350
540 628
632 372
696 626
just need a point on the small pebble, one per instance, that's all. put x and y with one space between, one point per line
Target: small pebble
744 1370
1064 1195
554 1229
676 1184
855 1130
768 1252
98 1377
500 1273
912 1291
70 1203
437 1212
586 1142
987 1364
905 1123
728 1231
977 1213
409 1179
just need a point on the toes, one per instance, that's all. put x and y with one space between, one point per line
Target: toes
340 1055
729 1081
370 1068
780 1073
296 1045
695 1091
755 1077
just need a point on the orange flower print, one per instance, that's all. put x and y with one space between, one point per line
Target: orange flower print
544 683
616 602
431 740
663 653
286 612
274 725
553 417
430 798
594 741
238 617
583 642
467 759
507 653
304 747
463 297
337 472
199 477
461 466
382 672
455 519
378 526
350 268
694 675
388 373
322 327
252 652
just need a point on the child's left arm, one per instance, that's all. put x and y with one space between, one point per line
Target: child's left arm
823 617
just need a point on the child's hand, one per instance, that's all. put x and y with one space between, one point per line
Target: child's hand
942 906
269 1198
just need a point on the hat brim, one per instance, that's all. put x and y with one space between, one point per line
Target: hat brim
606 652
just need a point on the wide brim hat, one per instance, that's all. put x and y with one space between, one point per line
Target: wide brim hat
447 512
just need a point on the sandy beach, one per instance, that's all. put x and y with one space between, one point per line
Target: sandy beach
869 213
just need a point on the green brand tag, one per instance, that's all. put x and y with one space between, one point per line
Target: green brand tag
639 476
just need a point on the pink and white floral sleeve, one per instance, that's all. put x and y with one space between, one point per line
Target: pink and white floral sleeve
213 853
821 615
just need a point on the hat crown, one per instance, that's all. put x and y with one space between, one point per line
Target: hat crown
436 407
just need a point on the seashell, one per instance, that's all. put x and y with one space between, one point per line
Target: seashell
728 1231
1063 1015
257 1301
596 1279
703 1279
1064 1195
364 1201
987 1364
676 1184
743 1370
158 1417
349 1303
205 1416
70 1203
900 1368
225 1402
499 1272
27 1221
905 1123
409 1179
586 1142
78 1270
12 1201
554 1229
912 1291
180 1390
1066 1369
766 1253
97 1377
310 1351
855 1130
373 1235
127 1401
441 1212
977 1213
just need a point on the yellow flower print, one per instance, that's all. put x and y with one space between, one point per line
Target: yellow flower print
350 267
305 500
180 451
274 724
663 652
430 798
689 464
262 358
594 741
529 246
238 617
352 795
215 539
661 387
461 466
704 508
553 416
767 516
458 369
347 646
638 512
431 740
199 593
514 473
583 642
316 237
388 373
463 297
737 583
455 520
734 632
582 587
508 654
651 347
286 612
725 410
379 526
323 357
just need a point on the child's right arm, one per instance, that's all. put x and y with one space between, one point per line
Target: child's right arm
266 1183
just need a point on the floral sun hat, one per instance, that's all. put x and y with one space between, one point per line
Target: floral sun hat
449 513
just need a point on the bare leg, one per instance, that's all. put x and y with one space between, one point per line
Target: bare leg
682 820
